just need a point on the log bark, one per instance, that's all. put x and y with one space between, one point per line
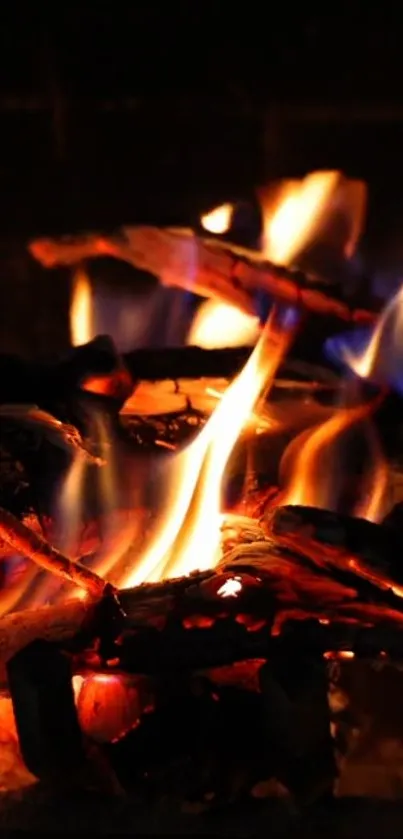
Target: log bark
345 544
204 266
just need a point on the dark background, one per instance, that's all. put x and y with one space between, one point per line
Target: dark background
114 113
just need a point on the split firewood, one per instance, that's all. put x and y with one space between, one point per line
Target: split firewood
204 266
27 542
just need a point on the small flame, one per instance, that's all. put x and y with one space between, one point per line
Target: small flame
298 211
385 344
230 588
372 504
218 220
323 208
190 535
81 310
218 325
313 480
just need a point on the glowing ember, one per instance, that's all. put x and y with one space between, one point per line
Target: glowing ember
230 588
108 706
218 220
340 654
81 312
219 325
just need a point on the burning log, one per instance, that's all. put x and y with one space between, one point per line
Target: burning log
347 545
194 362
244 611
212 619
186 363
39 443
203 266
60 382
56 624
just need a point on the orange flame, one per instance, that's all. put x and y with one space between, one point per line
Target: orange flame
81 310
219 325
314 473
298 213
190 535
372 504
218 220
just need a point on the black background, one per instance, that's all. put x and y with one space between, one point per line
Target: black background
113 112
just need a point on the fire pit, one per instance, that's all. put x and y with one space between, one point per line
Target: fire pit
201 583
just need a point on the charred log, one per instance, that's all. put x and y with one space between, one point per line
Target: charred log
203 266
218 617
50 384
348 544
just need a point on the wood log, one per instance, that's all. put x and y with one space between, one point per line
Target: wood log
186 624
195 362
48 384
50 623
244 609
202 622
346 544
204 266
31 544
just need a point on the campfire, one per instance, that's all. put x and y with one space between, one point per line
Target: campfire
201 575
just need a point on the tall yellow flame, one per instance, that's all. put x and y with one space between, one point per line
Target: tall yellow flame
189 537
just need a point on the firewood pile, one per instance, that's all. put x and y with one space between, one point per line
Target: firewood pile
172 667
225 686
